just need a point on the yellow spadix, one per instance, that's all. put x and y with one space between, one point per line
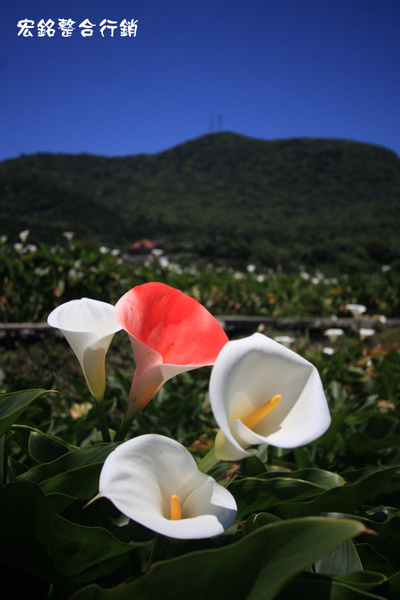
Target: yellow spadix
176 511
254 418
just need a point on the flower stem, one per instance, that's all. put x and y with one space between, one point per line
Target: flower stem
123 430
102 421
208 461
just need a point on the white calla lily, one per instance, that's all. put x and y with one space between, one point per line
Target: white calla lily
262 392
88 326
356 309
365 332
333 333
155 481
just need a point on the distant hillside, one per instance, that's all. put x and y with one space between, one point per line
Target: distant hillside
320 202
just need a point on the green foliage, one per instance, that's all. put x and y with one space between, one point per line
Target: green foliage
33 281
223 197
319 521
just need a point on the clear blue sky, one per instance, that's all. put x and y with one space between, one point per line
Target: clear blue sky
271 68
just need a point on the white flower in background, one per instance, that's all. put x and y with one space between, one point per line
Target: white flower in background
285 340
30 248
68 235
365 332
115 252
251 268
262 392
356 309
104 250
386 268
3 239
260 278
155 481
163 262
88 326
23 235
157 252
328 351
382 319
19 247
333 334
238 275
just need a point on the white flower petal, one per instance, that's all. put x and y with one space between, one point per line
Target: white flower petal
333 333
365 332
356 309
88 326
247 374
140 477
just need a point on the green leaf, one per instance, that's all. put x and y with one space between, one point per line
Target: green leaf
362 580
74 474
387 542
342 560
45 448
13 404
40 542
393 587
361 444
318 587
362 486
255 494
324 479
80 483
257 520
251 467
256 568
373 561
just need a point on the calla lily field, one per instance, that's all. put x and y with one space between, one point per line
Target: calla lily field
149 451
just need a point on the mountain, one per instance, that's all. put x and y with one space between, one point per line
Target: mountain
319 202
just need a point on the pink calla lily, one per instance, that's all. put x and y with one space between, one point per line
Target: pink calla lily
170 333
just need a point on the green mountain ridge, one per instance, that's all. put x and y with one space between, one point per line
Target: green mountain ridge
223 196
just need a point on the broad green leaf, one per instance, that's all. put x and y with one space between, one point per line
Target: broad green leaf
58 502
69 462
393 585
373 561
255 568
80 483
251 467
324 479
37 540
255 494
362 486
45 448
257 520
342 560
361 444
387 542
318 587
362 580
13 404
74 474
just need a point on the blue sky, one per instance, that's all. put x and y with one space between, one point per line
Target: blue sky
272 69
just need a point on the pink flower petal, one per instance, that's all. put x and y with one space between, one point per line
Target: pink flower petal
170 333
